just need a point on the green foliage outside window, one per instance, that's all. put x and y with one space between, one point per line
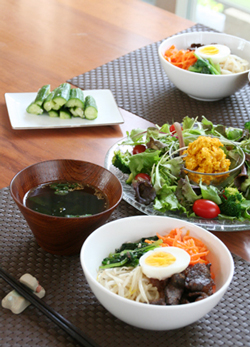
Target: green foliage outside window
212 5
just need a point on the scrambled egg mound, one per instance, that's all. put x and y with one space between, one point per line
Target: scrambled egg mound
206 155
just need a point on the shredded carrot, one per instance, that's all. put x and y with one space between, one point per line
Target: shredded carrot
180 58
149 241
195 247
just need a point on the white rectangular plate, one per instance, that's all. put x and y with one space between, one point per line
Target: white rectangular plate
108 112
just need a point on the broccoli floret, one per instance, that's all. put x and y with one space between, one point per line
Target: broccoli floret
121 160
232 193
231 202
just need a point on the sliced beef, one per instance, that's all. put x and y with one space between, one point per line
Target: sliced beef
174 289
193 284
198 279
159 284
196 296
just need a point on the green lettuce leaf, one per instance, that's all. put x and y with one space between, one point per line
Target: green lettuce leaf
210 193
167 171
135 137
188 192
143 162
188 122
234 133
167 201
165 128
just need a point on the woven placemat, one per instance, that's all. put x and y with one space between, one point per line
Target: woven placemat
140 86
67 291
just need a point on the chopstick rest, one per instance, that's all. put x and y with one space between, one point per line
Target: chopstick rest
62 322
17 303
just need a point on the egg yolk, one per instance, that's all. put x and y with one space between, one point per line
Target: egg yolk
211 50
160 259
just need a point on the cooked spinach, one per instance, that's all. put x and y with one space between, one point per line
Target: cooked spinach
129 253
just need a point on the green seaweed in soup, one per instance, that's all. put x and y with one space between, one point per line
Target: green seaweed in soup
66 199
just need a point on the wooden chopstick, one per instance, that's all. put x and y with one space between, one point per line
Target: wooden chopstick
62 322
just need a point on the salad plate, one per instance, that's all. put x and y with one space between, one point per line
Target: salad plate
223 225
108 112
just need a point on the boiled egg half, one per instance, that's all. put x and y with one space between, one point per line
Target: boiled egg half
218 53
163 262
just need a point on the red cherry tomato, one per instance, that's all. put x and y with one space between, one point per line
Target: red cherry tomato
139 149
172 129
206 208
142 177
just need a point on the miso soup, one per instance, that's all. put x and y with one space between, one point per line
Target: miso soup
66 199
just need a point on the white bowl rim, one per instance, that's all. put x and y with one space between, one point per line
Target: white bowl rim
159 307
205 33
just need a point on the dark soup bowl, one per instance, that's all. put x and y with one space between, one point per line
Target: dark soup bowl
57 232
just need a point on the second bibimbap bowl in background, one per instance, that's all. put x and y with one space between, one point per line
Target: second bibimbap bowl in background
207 66
156 273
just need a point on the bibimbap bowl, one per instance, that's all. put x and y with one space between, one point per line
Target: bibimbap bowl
110 236
200 86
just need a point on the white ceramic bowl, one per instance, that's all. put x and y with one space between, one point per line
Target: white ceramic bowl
111 235
201 86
